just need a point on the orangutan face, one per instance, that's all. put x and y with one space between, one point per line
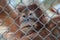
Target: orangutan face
29 16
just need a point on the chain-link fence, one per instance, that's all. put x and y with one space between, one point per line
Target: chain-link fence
29 19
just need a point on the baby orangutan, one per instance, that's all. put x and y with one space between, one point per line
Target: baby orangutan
30 18
30 22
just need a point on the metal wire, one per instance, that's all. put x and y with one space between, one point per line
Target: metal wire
46 32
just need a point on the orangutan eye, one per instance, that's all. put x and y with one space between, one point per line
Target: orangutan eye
24 16
30 13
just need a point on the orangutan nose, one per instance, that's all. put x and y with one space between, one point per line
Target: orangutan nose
27 19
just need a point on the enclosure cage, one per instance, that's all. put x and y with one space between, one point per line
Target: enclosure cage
29 19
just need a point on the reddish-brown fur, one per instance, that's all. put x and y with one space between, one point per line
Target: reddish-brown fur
43 19
9 21
14 27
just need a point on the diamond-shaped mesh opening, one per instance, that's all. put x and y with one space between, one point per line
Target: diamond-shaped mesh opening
8 21
50 25
44 32
42 19
37 26
38 12
56 32
13 28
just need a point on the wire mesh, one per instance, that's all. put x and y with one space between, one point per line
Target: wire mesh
29 19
